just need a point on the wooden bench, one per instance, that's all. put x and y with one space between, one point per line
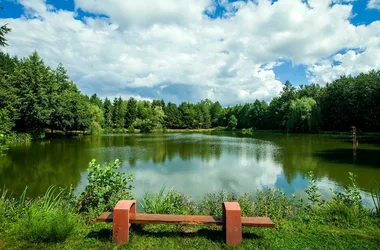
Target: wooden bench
124 214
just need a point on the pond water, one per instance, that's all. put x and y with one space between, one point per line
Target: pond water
195 163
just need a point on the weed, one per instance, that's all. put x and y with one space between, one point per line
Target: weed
40 225
105 188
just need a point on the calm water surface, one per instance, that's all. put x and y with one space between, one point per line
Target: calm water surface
195 164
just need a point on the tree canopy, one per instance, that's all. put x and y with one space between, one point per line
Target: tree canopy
35 98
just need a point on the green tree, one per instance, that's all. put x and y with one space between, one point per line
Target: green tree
303 115
173 116
131 113
118 113
3 31
97 119
95 100
188 115
232 123
216 112
108 113
35 85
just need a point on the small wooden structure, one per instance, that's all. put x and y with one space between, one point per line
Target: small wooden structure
124 214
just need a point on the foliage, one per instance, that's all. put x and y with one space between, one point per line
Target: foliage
350 195
275 204
48 222
247 131
131 129
45 225
97 119
314 197
375 195
105 187
33 98
172 202
232 123
303 115
47 219
4 29
131 112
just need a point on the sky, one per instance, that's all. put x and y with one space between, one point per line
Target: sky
189 50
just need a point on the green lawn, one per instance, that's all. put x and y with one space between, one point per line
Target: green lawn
286 235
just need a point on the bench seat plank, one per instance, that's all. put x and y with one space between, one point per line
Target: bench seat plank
139 218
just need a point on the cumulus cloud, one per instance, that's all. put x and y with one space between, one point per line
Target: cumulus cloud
137 47
374 4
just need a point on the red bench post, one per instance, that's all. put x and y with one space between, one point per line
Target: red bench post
233 225
121 215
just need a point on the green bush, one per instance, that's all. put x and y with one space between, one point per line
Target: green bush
276 205
45 225
375 194
95 128
350 195
343 215
105 188
131 129
147 126
172 202
248 131
212 203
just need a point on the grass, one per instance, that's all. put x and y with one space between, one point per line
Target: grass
375 194
54 222
286 235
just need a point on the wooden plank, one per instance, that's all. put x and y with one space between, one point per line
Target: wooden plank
257 222
139 218
105 217
175 219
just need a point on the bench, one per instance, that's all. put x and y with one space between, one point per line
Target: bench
124 214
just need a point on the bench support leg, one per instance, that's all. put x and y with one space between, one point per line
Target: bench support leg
232 227
121 220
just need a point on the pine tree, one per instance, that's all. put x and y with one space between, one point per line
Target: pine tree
108 113
131 113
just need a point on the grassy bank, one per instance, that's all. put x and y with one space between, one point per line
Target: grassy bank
60 220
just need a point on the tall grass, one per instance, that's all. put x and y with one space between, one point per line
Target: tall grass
44 219
344 209
171 202
375 194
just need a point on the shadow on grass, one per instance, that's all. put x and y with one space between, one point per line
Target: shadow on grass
367 157
210 234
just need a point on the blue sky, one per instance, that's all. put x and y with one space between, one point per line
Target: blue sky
183 50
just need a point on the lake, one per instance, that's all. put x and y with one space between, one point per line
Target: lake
195 163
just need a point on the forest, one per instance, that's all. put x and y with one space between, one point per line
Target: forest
35 98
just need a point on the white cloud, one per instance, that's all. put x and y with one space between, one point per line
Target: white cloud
144 45
127 13
373 4
362 59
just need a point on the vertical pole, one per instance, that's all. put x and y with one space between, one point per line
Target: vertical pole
232 226
121 215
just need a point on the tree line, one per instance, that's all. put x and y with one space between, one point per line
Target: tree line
34 98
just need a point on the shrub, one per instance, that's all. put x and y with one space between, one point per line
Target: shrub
105 188
45 225
95 128
212 204
248 131
350 195
275 204
172 202
47 219
314 197
131 129
375 194
147 126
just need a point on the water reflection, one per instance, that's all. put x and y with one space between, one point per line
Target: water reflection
193 163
